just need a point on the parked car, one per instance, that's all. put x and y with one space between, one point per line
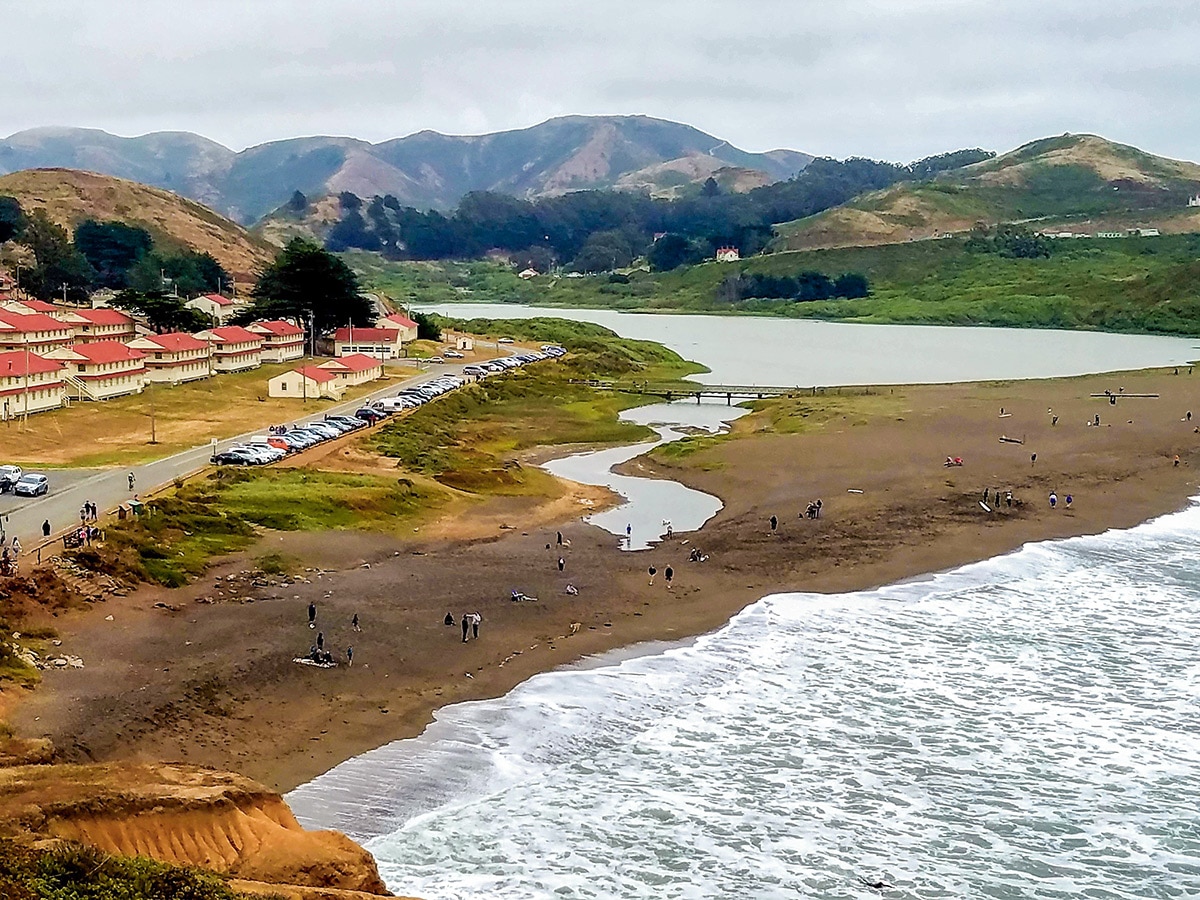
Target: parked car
235 456
31 485
370 414
474 370
436 359
504 341
454 354
9 476
346 420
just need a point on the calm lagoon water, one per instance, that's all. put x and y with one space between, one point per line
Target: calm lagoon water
748 350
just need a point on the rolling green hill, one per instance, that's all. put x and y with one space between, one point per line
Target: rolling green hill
1080 183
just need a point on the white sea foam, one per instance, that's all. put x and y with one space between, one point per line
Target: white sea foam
1025 727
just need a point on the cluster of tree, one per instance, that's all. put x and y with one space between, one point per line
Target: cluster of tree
600 230
312 286
103 255
802 287
1009 241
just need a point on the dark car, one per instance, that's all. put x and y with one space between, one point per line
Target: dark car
235 457
367 414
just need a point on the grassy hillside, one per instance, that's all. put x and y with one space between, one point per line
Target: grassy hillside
1136 284
70 196
1077 182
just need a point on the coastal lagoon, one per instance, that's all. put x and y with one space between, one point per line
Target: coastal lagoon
1024 727
648 500
750 350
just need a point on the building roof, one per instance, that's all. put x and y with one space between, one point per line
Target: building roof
233 334
13 363
276 327
104 316
367 335
401 319
173 342
355 362
218 299
39 306
30 322
315 373
106 352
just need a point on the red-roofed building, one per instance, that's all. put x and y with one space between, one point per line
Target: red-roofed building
234 349
29 383
306 383
382 343
399 322
175 357
354 369
36 332
282 341
101 369
31 306
218 308
103 324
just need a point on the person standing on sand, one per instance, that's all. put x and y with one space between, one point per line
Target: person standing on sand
1032 458
312 615
1053 499
562 564
653 571
669 573
476 618
774 524
320 640
1070 500
1176 463
466 624
628 532
560 538
349 657
354 622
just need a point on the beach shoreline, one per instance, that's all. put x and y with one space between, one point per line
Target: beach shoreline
215 684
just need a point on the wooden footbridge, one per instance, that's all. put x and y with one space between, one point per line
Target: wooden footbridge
682 391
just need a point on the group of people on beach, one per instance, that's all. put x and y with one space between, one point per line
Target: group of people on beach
317 653
470 625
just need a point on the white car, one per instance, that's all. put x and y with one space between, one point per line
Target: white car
31 485
454 354
505 341
9 476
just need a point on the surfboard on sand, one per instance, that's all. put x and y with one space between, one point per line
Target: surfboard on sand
986 508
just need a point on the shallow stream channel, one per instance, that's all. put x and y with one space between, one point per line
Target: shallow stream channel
651 504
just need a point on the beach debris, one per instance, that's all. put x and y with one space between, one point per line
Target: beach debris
853 491
309 661
1005 439
108 618
167 606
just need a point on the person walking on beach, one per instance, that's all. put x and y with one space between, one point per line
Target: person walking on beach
349 657
1008 499
1176 463
562 564
312 615
466 624
669 573
1032 458
1069 501
46 528
560 538
653 571
774 524
1053 499
354 622
320 640
476 618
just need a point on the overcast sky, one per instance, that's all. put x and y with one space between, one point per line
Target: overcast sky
891 79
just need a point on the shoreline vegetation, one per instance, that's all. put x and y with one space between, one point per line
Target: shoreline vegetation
1136 285
445 510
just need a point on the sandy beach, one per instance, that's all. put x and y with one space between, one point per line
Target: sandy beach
215 684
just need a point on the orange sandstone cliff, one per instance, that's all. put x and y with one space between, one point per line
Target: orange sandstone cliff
188 816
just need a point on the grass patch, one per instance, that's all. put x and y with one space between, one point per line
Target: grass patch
220 514
276 564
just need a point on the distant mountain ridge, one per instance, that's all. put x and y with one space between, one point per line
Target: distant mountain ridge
1078 183
425 170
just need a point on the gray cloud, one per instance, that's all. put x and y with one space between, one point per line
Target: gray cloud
897 79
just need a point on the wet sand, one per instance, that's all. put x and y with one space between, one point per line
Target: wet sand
215 683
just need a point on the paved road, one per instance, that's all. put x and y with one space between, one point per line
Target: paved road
109 487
